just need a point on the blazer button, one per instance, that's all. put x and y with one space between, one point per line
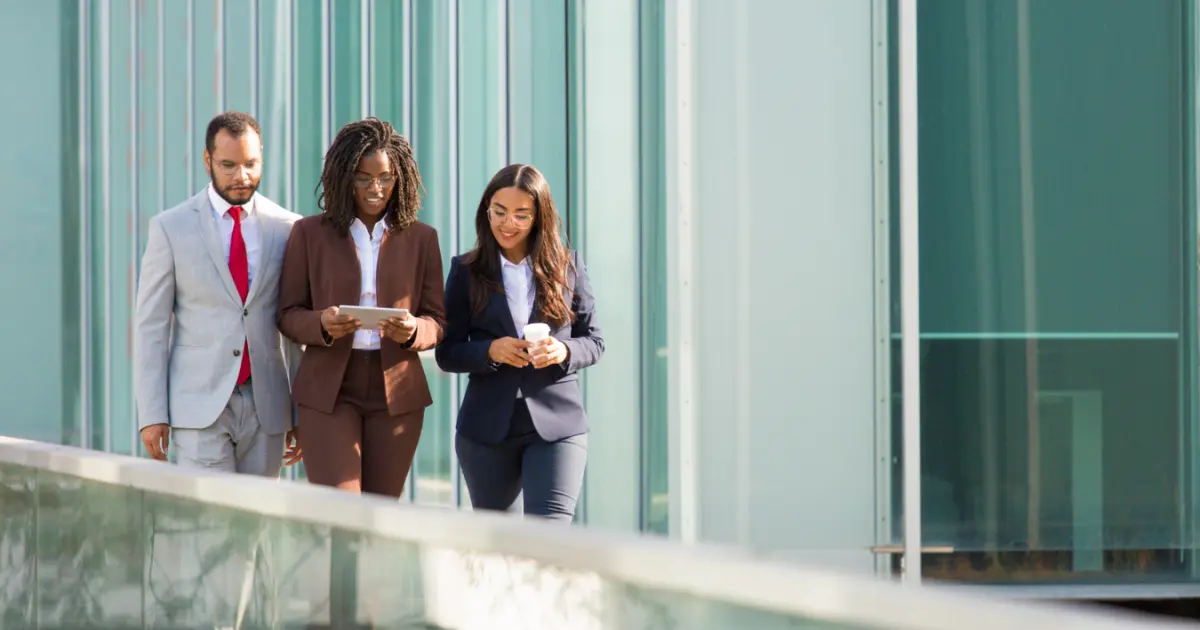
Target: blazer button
246 312
237 353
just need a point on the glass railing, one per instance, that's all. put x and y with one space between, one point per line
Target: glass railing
89 539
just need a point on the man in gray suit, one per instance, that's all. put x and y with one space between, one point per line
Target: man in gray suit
211 371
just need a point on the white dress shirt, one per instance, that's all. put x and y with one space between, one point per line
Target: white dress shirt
367 246
220 209
518 288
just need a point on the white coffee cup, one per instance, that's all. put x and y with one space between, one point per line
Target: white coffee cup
535 333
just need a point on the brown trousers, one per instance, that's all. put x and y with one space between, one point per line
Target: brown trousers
360 447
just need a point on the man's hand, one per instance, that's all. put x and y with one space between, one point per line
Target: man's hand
399 329
510 351
549 351
293 455
337 326
156 438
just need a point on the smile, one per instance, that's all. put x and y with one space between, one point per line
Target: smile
508 234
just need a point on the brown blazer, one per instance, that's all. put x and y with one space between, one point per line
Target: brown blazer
320 269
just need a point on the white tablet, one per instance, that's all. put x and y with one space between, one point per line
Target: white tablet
370 316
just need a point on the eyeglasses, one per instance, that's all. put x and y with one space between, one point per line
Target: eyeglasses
519 219
227 167
362 181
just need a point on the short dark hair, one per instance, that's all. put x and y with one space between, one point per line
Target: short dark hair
235 123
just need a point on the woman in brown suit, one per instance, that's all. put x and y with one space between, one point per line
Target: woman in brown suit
362 393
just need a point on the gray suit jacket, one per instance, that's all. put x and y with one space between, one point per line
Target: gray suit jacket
190 322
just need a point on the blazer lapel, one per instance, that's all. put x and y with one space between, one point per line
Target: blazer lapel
499 307
347 251
268 233
212 242
389 262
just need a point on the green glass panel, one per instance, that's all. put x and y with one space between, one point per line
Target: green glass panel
537 88
74 406
123 250
149 120
391 61
482 119
1055 249
275 98
98 314
433 127
237 55
611 219
309 106
346 45
207 74
182 143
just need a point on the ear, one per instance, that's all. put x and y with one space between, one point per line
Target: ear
207 162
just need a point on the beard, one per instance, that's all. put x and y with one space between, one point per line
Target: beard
234 197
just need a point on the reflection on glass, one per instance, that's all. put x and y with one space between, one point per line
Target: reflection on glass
1055 257
78 553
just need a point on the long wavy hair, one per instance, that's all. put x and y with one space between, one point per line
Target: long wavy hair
548 257
335 191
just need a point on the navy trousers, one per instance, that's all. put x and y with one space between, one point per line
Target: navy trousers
548 475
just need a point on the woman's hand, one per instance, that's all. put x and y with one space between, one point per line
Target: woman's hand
509 351
338 326
399 329
549 351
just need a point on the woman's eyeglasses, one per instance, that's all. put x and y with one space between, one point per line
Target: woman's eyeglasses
519 218
362 181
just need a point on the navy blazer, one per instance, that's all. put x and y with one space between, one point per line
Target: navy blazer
552 393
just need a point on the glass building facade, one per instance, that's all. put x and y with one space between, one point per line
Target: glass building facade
732 172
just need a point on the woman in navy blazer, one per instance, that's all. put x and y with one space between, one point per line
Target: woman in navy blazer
522 429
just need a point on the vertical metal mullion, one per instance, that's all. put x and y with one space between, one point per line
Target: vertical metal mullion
105 28
160 152
254 56
884 526
290 107
502 80
406 107
364 57
1189 28
160 100
681 291
910 305
190 140
406 73
452 44
85 231
326 73
219 67
135 152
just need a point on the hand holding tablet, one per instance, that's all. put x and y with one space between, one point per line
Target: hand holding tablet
372 316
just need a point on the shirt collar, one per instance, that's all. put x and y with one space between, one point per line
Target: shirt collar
221 207
380 228
504 262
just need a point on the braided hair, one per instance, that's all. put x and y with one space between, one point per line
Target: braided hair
335 190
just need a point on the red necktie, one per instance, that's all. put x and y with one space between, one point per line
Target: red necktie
239 268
